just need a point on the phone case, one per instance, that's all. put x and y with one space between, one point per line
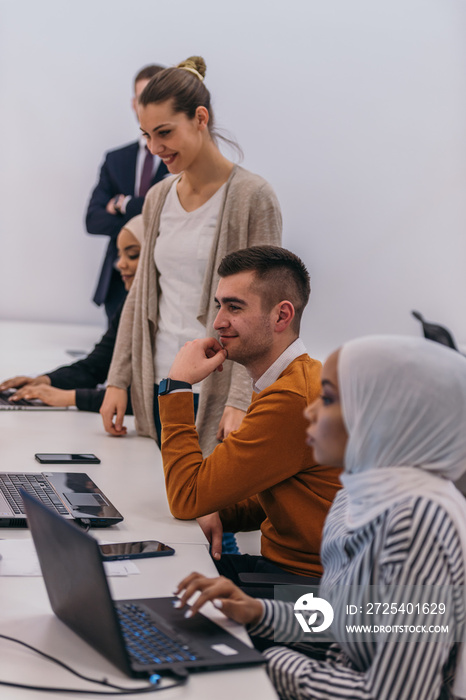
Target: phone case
81 460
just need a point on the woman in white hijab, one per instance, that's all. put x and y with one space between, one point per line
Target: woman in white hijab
77 384
393 413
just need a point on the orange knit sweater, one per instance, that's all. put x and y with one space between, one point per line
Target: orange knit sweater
263 475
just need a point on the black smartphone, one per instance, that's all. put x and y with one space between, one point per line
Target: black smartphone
64 458
135 550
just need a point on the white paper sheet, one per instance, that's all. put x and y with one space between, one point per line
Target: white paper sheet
19 558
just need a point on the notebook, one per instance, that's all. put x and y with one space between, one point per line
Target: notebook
165 641
25 404
74 496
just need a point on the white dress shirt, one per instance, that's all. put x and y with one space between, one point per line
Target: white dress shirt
271 375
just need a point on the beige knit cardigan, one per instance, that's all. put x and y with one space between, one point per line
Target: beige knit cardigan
249 215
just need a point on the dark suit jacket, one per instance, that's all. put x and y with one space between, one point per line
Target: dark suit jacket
117 176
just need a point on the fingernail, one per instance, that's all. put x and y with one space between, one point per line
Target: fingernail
188 614
218 603
177 603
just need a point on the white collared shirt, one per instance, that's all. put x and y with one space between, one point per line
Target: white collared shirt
140 158
140 164
271 375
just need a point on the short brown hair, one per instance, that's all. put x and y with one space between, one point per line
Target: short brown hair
279 272
148 72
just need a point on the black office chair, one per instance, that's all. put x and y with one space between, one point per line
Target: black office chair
262 585
432 331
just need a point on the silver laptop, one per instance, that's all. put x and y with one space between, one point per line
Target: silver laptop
73 496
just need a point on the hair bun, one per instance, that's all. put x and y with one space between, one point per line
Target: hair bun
194 63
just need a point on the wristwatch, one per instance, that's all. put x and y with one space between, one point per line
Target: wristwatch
168 385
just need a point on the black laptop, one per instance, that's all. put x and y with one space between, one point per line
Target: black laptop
73 495
141 637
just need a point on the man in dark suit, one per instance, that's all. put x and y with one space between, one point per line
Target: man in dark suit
126 175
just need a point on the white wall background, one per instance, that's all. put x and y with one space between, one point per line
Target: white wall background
354 110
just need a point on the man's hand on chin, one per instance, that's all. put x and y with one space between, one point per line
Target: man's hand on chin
197 359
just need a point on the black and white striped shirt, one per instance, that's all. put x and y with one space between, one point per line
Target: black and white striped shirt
414 543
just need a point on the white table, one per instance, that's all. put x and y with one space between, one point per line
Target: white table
131 475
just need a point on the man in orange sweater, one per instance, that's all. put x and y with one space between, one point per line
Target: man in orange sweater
263 474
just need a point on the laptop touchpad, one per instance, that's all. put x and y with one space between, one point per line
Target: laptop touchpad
85 499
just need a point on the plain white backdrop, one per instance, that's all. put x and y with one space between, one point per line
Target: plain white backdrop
354 110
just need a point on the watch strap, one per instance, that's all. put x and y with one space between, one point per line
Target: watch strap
168 385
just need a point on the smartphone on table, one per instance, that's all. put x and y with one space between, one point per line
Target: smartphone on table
135 550
66 458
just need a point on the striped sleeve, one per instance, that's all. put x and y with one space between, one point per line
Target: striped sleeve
419 546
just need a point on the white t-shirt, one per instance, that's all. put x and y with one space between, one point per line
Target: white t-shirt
181 252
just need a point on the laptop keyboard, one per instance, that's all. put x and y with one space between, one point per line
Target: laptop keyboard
36 485
4 400
146 643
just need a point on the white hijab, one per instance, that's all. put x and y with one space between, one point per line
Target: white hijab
136 227
404 405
